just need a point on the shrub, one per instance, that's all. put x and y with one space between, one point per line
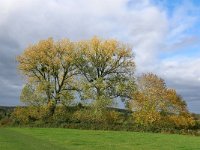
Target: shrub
6 121
62 115
183 121
88 115
26 115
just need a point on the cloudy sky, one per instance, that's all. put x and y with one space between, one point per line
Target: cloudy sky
164 34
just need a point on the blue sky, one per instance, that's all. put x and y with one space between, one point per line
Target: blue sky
190 10
164 34
171 6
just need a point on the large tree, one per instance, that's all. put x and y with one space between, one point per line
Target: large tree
48 67
107 68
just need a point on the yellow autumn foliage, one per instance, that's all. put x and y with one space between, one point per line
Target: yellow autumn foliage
154 102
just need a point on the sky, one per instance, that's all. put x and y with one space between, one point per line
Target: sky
164 34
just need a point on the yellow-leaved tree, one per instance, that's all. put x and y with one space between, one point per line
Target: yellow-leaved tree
107 71
154 103
49 70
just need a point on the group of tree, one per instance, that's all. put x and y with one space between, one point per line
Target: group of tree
97 73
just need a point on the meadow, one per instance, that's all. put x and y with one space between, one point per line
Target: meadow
73 139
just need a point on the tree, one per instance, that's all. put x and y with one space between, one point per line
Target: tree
153 101
49 68
107 69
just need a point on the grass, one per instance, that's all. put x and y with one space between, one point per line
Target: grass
71 139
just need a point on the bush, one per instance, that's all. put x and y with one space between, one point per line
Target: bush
26 115
6 121
88 118
184 121
88 115
62 115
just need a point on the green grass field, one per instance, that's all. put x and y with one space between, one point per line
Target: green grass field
71 139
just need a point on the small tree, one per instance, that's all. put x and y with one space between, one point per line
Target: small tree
154 100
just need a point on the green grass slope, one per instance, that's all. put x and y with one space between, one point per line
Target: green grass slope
71 139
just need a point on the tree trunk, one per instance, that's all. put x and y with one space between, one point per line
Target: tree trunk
51 108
